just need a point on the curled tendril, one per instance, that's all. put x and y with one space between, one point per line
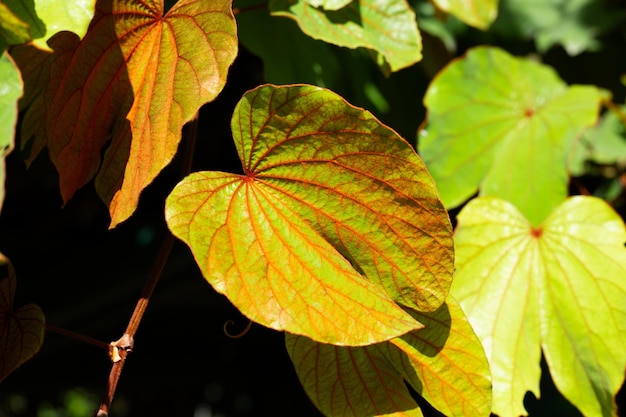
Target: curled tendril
236 335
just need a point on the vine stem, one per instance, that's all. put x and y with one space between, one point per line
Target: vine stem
126 341
77 336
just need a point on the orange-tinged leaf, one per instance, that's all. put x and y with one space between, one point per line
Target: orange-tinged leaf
334 208
135 79
21 330
350 381
444 362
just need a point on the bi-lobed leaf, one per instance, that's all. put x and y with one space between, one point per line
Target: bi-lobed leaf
11 88
444 362
387 27
21 329
558 288
134 80
477 13
504 126
334 222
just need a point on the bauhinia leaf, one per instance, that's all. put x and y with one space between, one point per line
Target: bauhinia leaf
558 287
42 19
444 363
477 13
150 74
21 330
333 208
504 125
11 88
387 27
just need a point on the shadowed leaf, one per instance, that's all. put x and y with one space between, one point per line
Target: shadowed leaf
21 330
559 287
387 27
504 125
334 208
444 362
150 73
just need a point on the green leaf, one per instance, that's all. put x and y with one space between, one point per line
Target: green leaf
329 4
504 125
289 56
559 287
150 73
39 20
444 363
10 92
574 24
13 30
334 208
385 26
21 329
604 143
477 13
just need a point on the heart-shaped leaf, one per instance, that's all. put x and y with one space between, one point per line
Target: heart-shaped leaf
444 362
21 330
151 72
477 13
559 287
334 208
385 26
504 125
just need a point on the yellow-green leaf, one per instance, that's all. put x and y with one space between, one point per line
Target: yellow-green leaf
558 287
477 13
334 221
21 329
504 125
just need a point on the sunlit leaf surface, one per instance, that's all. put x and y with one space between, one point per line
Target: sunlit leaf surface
130 85
444 363
477 13
559 288
504 125
334 221
21 329
387 27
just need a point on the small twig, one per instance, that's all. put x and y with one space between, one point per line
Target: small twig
77 336
119 350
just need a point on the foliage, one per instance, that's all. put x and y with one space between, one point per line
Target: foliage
334 230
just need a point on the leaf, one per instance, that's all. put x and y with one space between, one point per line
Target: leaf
13 30
329 4
150 74
350 381
11 87
288 55
330 196
559 287
21 330
504 125
576 25
604 143
477 13
387 27
444 363
39 20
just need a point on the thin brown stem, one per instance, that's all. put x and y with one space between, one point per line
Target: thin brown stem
190 135
77 336
239 10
